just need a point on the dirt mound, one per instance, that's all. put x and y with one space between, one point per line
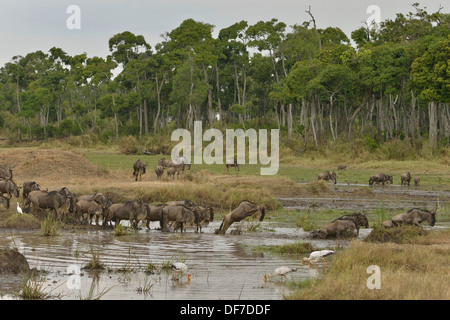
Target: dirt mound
33 164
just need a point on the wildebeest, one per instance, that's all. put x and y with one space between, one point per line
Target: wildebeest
10 188
87 209
99 197
381 177
165 163
416 181
327 175
243 210
232 163
337 228
205 216
184 202
134 211
415 216
405 178
27 187
154 213
342 167
53 200
138 169
159 172
4 202
183 161
174 170
359 219
6 174
180 214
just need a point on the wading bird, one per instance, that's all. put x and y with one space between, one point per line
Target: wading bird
179 268
281 271
315 256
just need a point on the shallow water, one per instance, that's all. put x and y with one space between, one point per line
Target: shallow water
221 267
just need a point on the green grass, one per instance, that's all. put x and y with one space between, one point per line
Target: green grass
304 170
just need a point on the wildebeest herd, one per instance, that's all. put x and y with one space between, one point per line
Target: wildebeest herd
84 209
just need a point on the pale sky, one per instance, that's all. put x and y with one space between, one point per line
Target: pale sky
31 25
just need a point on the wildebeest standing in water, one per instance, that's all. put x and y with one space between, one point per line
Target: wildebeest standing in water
243 210
180 214
381 177
405 178
139 169
205 216
134 211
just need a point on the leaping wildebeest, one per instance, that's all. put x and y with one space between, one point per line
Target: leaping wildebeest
139 169
243 210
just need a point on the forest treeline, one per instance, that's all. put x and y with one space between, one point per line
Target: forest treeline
312 83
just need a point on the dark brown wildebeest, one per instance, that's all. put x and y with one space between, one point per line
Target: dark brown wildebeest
27 187
10 188
342 167
337 228
327 175
180 214
359 219
243 210
405 178
133 211
4 202
205 216
415 216
416 181
138 169
53 201
381 177
232 163
154 213
159 172
6 174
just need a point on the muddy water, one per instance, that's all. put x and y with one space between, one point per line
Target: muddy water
414 197
221 267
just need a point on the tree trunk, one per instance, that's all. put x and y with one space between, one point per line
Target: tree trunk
432 114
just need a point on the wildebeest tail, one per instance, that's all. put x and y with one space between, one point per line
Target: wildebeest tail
221 225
